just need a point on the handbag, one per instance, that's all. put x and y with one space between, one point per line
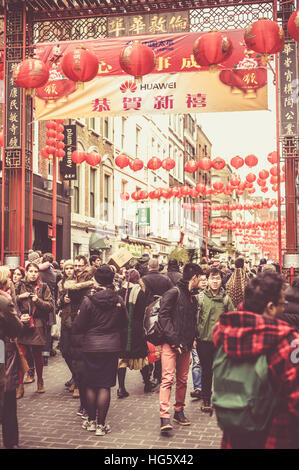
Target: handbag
56 329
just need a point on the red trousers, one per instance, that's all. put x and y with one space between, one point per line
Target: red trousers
173 362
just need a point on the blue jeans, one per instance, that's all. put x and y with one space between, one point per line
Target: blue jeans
196 370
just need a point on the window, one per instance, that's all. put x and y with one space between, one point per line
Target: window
76 249
190 125
106 197
92 123
92 185
76 193
106 127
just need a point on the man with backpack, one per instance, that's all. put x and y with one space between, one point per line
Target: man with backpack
256 371
212 302
153 284
177 318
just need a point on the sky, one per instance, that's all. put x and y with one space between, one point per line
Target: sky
243 133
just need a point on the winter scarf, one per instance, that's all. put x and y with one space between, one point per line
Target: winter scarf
131 305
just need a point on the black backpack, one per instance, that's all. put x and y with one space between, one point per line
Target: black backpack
151 325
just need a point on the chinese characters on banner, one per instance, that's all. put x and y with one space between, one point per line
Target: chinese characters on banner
288 90
132 25
68 168
177 85
13 121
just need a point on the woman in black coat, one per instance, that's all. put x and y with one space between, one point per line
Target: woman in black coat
135 352
103 321
291 310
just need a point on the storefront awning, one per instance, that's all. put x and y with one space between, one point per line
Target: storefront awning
97 243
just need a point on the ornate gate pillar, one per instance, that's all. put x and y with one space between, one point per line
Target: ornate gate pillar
16 216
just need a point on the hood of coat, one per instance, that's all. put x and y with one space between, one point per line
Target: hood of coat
292 300
73 285
247 335
105 299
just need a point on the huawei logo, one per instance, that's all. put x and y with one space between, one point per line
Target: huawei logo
128 86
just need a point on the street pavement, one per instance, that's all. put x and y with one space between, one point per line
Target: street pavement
49 420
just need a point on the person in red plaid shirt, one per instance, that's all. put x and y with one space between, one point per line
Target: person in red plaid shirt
254 331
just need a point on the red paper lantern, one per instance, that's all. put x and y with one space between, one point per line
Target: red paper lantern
135 195
274 171
50 151
137 59
261 182
154 163
60 136
166 193
212 48
175 191
185 190
235 181
237 162
44 153
136 164
191 166
143 194
168 164
264 174
227 77
157 193
200 188
273 180
264 189
80 65
78 157
250 178
264 36
250 80
51 134
272 158
30 74
51 142
125 196
251 160
218 163
204 164
293 25
93 158
58 87
122 160
218 185
51 125
60 145
60 153
251 191
59 128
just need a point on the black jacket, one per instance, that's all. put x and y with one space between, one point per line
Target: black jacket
177 316
103 321
174 276
291 311
155 284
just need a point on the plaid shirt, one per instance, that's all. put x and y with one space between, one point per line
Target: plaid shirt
248 335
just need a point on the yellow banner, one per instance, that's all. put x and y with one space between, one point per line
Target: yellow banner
190 92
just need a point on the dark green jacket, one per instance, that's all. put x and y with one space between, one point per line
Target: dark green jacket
209 309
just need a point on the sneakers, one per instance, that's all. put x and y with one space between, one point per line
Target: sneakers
196 393
165 425
122 393
180 418
69 383
89 425
102 430
84 415
80 411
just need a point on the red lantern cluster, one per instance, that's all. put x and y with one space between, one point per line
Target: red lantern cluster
54 144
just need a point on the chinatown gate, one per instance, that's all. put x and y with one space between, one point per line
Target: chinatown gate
28 23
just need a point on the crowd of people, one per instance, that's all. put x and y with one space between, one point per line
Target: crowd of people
203 308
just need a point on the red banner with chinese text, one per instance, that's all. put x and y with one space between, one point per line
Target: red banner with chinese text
167 89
